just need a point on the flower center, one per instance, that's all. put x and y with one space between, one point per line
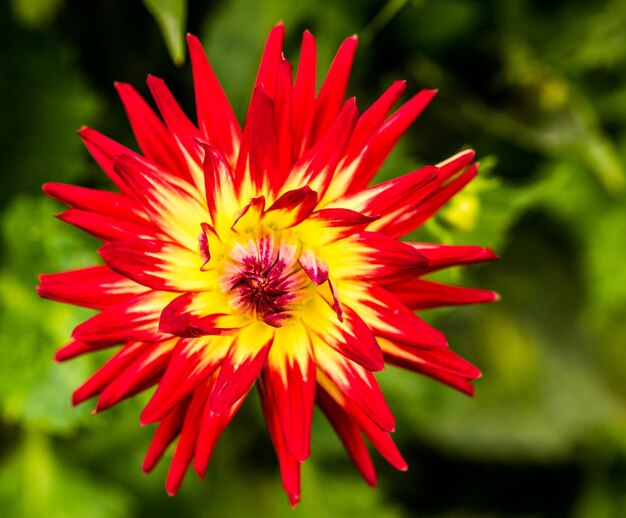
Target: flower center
264 280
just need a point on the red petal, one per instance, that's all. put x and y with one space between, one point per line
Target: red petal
304 96
392 196
108 372
259 147
94 200
211 427
177 122
154 139
385 139
187 441
387 257
391 319
215 115
166 432
318 165
444 256
73 349
171 203
289 466
333 89
372 118
267 75
422 294
157 264
351 338
192 361
291 387
94 287
142 372
104 150
349 434
284 109
105 228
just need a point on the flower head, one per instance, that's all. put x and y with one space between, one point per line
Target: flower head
261 256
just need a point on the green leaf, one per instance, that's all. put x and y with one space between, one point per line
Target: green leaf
34 482
171 16
34 390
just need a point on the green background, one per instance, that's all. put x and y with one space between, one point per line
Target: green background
537 88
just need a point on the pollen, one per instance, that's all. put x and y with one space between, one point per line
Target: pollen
264 280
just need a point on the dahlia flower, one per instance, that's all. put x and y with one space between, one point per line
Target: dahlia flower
259 256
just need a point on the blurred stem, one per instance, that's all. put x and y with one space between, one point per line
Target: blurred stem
37 469
384 16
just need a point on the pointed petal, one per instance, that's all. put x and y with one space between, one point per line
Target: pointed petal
387 136
444 256
104 227
267 75
108 372
351 338
187 440
333 89
166 432
109 203
177 122
414 217
74 349
371 119
215 116
392 196
154 139
211 427
104 150
94 287
304 95
258 158
422 294
289 466
138 375
389 318
219 186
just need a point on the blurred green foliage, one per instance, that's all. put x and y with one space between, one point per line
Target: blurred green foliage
538 89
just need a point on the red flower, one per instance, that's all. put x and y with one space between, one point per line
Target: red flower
234 257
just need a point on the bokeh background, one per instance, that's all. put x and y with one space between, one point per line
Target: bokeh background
537 88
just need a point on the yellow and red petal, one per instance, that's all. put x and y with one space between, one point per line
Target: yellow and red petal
337 373
289 382
160 265
192 361
135 319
